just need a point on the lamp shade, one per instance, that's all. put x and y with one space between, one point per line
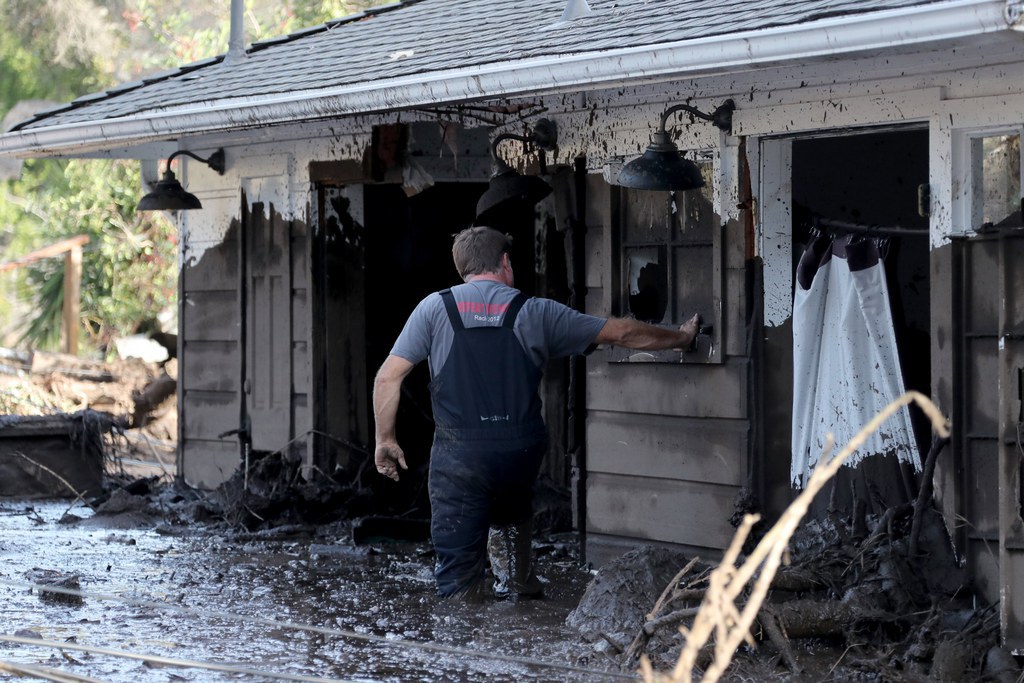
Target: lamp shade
506 187
168 195
661 167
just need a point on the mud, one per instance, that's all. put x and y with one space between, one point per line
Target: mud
275 575
281 600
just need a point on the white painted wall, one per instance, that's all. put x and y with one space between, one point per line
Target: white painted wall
610 126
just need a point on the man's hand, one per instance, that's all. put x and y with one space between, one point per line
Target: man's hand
388 458
690 329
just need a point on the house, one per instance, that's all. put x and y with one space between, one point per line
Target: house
353 151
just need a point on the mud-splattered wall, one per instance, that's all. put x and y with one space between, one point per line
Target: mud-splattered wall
244 318
670 444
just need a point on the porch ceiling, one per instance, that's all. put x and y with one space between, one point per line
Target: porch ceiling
427 52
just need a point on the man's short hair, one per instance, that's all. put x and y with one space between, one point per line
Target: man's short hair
478 250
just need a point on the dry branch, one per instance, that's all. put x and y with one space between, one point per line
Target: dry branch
777 634
78 496
672 593
719 614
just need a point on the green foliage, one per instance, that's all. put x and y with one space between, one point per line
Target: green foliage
58 50
312 13
40 53
129 267
183 32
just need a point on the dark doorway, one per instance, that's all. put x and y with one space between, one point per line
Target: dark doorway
869 179
378 253
408 256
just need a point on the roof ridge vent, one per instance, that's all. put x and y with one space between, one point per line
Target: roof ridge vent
576 9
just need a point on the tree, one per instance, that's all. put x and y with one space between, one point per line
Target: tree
61 49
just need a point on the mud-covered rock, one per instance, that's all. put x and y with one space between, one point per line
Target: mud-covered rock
623 592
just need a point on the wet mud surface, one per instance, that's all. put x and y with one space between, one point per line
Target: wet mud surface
288 602
257 582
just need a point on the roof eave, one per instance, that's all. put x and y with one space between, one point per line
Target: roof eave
686 59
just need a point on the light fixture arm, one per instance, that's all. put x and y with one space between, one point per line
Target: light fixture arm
169 195
215 160
721 117
544 137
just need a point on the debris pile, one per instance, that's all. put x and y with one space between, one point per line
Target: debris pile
849 603
137 393
122 414
615 613
274 492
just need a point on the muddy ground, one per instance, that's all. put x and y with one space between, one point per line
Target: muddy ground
275 578
173 590
284 602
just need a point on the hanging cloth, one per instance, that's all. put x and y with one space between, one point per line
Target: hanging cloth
846 365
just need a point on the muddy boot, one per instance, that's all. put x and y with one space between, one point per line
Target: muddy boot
511 554
474 594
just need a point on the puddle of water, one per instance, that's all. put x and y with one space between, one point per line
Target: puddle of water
387 595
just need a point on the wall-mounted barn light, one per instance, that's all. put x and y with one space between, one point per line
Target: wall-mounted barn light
509 186
662 167
169 195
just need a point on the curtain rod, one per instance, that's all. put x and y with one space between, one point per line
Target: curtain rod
886 231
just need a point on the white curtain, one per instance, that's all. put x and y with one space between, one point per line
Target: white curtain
845 363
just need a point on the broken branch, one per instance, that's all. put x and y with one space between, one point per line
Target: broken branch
718 613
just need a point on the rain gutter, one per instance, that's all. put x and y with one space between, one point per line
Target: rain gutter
704 56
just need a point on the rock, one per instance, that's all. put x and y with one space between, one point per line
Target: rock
623 592
1000 666
951 661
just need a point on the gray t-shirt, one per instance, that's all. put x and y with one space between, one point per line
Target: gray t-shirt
545 328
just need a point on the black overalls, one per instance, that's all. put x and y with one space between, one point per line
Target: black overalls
489 441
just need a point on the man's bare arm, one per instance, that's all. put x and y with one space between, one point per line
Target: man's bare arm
387 391
634 334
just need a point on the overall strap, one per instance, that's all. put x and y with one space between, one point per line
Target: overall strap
453 310
513 310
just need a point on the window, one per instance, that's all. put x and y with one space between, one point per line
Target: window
669 249
996 189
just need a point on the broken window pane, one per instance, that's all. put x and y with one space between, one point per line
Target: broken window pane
648 283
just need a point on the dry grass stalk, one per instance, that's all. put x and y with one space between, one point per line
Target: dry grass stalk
718 614
44 673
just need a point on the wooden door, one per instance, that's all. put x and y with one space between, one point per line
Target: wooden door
267 377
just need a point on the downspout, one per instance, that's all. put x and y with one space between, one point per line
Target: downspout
236 41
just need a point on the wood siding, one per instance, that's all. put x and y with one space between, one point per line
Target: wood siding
209 385
667 443
988 411
275 376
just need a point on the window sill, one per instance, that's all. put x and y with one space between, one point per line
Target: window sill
703 354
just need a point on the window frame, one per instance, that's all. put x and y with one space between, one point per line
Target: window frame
709 347
967 166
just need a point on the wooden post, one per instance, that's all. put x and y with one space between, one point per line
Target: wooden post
72 298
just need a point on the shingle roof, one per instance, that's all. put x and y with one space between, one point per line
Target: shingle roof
416 37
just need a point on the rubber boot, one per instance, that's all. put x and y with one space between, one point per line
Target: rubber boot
473 594
511 553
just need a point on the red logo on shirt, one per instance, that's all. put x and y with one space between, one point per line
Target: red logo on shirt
480 307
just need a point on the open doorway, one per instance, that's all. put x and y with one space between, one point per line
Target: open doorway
408 256
379 252
869 179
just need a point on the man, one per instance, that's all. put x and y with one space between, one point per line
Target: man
486 344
